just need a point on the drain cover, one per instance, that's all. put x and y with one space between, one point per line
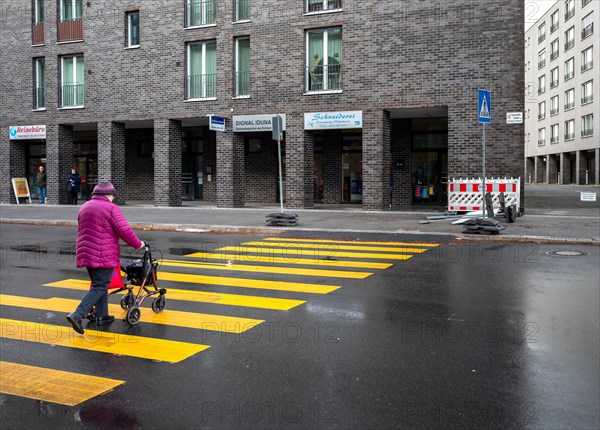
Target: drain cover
568 253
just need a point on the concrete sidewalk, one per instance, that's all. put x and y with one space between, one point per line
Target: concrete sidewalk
552 214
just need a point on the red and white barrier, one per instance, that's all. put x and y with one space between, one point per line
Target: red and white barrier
464 195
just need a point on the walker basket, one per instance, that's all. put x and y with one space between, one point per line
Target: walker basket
140 269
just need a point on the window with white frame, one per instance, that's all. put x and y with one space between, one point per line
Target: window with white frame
39 94
570 129
324 60
133 28
554 22
554 105
587 125
569 68
554 49
570 99
71 9
554 133
542 136
542 32
570 38
554 77
542 110
72 81
587 25
541 58
587 59
542 84
322 5
569 9
242 10
199 12
242 66
587 92
201 82
38 12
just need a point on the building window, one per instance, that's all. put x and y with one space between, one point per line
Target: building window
242 66
554 77
541 110
554 22
554 49
324 60
569 68
584 2
587 25
541 136
554 105
72 74
569 9
587 92
39 92
199 12
587 60
570 38
133 29
542 84
587 126
554 133
542 32
570 99
322 5
38 12
242 10
71 9
541 58
570 129
201 70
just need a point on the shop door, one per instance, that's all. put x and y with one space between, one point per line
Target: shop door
192 179
429 175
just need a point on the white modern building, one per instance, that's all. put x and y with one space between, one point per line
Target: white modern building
562 78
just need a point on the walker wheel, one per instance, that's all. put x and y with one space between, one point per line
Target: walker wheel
127 301
158 304
133 316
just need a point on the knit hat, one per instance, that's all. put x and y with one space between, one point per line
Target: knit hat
104 189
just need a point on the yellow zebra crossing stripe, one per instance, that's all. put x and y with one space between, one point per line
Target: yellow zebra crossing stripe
201 296
319 253
266 269
56 386
416 244
167 317
99 341
333 247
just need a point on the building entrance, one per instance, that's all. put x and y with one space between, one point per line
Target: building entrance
192 164
429 170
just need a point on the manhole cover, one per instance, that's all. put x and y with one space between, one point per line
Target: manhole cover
568 253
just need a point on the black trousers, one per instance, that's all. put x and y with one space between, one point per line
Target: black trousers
72 195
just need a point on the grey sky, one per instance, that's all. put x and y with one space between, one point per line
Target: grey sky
534 9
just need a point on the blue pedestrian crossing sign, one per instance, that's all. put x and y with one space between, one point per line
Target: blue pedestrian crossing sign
484 107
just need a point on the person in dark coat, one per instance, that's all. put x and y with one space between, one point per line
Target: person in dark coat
40 182
73 186
101 225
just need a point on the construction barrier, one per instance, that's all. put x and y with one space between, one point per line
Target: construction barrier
464 195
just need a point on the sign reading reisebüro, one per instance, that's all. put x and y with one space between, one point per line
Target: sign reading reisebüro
332 120
23 132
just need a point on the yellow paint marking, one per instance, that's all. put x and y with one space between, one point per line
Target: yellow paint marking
287 239
99 341
333 247
167 317
289 260
49 385
202 296
323 253
267 269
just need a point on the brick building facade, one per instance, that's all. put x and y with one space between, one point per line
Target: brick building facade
125 90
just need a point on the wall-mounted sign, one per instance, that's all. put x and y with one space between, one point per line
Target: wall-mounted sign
245 123
24 132
587 196
216 123
514 117
332 120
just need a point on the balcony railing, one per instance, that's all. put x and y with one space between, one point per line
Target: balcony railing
553 112
541 64
320 5
554 27
587 99
201 86
541 90
37 34
541 38
569 13
70 30
324 77
554 139
541 142
569 44
39 98
569 105
553 55
242 84
553 83
587 31
586 66
200 13
71 95
569 75
587 132
242 10
541 115
569 136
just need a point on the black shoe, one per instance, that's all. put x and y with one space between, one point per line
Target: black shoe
105 320
76 323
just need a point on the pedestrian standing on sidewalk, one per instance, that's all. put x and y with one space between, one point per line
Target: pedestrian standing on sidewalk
40 182
101 225
73 186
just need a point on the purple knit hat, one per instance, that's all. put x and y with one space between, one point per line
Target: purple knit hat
104 189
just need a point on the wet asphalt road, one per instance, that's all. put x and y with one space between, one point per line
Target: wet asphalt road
460 336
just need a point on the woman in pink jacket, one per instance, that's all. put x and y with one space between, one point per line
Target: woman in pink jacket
101 225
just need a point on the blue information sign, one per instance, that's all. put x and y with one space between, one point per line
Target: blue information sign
484 106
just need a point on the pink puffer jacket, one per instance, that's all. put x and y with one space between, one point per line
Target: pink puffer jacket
101 224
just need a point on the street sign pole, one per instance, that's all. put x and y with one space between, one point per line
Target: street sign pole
484 106
277 135
483 191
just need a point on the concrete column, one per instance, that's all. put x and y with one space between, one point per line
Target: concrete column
580 167
597 167
59 161
12 165
230 174
167 162
401 163
299 158
332 167
111 156
565 167
376 160
551 169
